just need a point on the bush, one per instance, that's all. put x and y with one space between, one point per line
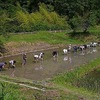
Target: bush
41 20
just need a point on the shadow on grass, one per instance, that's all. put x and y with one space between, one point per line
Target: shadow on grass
78 34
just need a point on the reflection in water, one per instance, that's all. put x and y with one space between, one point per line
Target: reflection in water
67 58
89 51
55 59
70 59
40 67
13 72
93 50
82 53
50 66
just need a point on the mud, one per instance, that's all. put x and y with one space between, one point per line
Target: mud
49 67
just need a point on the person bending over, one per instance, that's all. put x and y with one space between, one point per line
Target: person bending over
2 65
12 64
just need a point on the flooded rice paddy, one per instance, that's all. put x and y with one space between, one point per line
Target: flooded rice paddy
49 67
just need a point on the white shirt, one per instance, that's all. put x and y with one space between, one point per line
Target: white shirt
11 62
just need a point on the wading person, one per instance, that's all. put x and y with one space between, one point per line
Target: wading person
2 65
55 55
12 64
24 58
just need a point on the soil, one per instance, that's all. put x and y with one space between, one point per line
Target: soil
13 48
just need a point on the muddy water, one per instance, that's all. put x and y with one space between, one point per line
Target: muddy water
49 67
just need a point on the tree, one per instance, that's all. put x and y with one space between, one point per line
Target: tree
89 10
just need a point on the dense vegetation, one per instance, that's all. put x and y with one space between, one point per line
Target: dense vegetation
75 16
31 15
17 19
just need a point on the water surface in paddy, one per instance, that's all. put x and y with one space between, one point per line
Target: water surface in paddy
49 67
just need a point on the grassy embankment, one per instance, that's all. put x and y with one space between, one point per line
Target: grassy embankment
17 43
15 92
53 37
72 81
48 37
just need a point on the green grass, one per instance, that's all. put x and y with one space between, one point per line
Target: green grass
68 80
95 30
12 92
16 92
51 38
45 36
90 81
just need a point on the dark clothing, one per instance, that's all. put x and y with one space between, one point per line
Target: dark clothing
85 46
55 53
24 59
75 48
1 65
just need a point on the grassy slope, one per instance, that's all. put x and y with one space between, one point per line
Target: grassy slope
24 93
52 38
65 81
49 37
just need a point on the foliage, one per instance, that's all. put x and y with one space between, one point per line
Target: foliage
42 36
74 12
41 20
87 10
90 81
75 23
21 20
8 93
71 79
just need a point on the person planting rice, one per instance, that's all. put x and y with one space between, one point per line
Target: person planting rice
12 64
2 65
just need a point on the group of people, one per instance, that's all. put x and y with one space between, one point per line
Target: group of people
11 63
76 48
24 60
54 54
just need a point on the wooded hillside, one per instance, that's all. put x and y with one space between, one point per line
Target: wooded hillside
31 15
